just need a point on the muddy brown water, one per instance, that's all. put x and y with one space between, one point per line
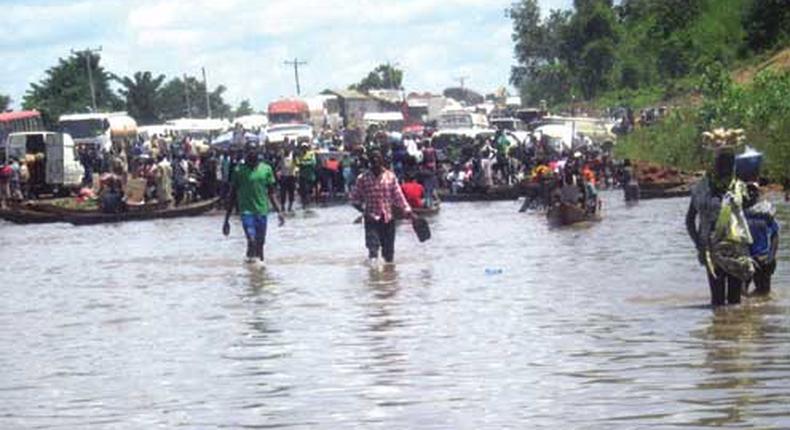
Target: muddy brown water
496 322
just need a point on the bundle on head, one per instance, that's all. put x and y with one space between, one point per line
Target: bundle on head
721 138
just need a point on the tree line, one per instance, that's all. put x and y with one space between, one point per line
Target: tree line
599 47
149 98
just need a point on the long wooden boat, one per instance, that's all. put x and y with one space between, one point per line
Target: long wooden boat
668 193
664 190
50 214
21 215
433 210
192 209
492 194
563 214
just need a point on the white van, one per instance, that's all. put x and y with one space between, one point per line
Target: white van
55 166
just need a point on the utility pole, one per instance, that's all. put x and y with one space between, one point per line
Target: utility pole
390 75
461 80
296 63
205 84
186 91
87 53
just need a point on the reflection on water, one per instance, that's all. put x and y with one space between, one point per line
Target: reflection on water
497 322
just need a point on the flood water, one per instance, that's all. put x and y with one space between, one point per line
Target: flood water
496 322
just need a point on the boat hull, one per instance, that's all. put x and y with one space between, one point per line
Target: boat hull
560 215
32 215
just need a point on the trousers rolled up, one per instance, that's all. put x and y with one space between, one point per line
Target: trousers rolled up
380 236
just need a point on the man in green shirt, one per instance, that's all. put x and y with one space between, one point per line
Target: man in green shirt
252 189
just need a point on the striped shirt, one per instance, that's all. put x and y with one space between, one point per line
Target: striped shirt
378 195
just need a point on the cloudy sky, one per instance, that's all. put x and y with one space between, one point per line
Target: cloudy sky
243 43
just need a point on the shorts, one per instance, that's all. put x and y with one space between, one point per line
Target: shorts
254 227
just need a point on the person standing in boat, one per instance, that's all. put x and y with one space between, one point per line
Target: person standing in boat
429 171
252 189
375 194
164 182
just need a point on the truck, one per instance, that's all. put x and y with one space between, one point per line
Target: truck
51 159
288 111
100 130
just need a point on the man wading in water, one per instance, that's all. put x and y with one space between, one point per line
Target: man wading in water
376 192
706 204
252 188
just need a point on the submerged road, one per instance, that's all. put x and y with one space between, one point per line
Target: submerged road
497 322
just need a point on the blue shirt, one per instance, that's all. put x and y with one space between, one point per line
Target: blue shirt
763 227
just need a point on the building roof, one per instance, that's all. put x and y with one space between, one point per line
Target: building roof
348 94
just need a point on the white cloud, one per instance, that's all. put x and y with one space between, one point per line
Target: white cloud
243 43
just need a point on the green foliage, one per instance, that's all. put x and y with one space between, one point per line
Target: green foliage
767 23
177 92
5 102
142 94
634 44
384 76
551 82
66 89
673 141
762 109
244 108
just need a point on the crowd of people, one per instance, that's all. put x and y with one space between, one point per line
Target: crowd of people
178 169
385 174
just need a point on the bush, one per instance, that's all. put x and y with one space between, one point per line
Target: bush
762 109
673 141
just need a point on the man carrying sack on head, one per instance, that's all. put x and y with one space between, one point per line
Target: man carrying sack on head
722 235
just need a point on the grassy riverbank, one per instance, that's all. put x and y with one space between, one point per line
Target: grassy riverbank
757 100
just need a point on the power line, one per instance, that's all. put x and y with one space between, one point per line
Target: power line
296 63
87 53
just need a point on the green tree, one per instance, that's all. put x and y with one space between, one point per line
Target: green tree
767 22
187 98
551 82
384 76
141 93
65 88
244 108
590 42
5 102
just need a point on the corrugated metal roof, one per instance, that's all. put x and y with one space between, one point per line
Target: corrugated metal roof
349 94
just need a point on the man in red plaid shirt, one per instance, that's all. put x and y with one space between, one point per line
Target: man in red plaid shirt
376 192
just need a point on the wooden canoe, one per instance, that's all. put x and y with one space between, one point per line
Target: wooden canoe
31 215
192 209
562 214
433 210
20 215
500 193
